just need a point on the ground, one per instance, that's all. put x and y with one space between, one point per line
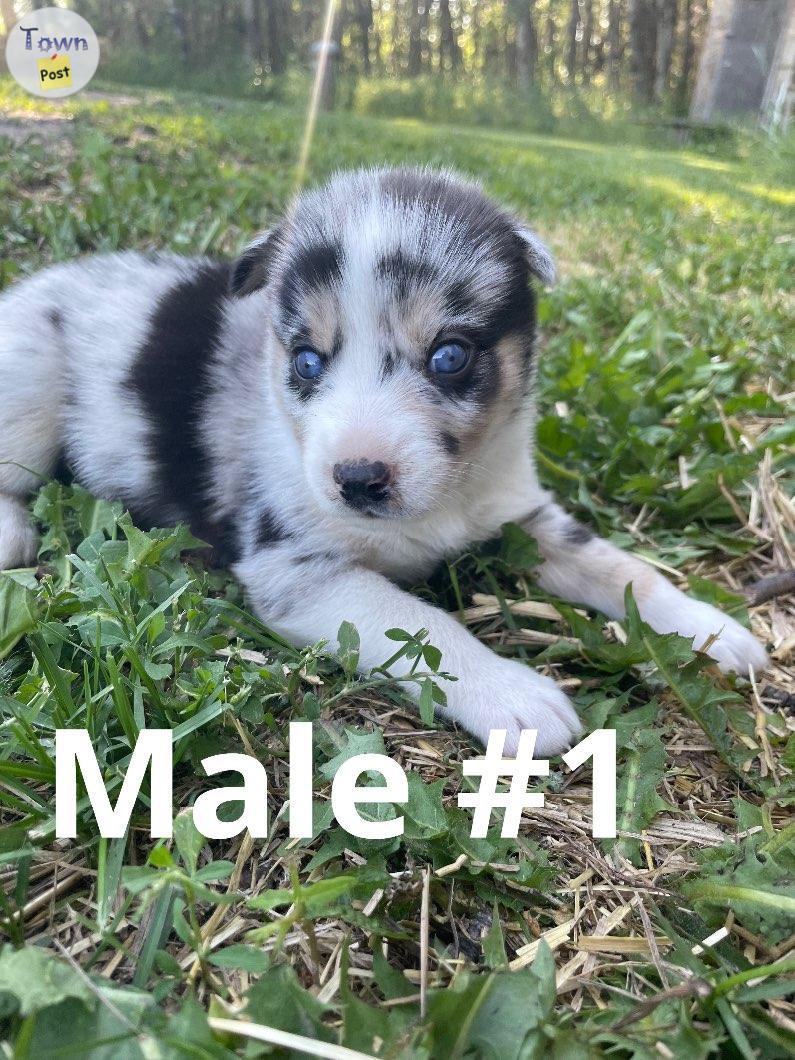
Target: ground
666 372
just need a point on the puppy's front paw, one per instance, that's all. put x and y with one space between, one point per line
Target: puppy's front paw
510 695
19 542
734 649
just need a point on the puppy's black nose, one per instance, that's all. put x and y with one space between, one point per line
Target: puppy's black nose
364 485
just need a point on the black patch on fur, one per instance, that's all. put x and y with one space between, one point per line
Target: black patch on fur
387 365
170 378
485 379
480 225
534 514
336 343
226 544
404 273
450 443
458 299
63 471
577 534
319 265
55 317
220 534
513 314
269 530
314 557
311 268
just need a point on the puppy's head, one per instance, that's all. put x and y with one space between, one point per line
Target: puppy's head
403 318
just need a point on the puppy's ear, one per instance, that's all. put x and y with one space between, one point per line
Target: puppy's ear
250 271
538 255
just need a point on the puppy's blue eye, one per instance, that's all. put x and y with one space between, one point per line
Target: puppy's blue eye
449 359
308 364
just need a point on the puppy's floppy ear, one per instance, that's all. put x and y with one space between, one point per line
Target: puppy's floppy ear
250 271
538 255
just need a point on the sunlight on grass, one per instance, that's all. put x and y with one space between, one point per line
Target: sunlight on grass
780 196
712 165
721 204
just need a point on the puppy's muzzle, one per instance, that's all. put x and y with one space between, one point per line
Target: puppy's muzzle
365 485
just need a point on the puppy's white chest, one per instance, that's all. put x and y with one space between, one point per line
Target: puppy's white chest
410 550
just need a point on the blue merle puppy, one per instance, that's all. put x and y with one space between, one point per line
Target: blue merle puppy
344 406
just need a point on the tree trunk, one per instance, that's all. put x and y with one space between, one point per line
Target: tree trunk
643 48
476 37
777 102
506 49
396 51
526 46
614 44
549 45
417 33
142 30
376 46
364 20
9 17
276 30
587 37
448 41
571 41
252 33
666 25
598 55
687 56
737 57
180 24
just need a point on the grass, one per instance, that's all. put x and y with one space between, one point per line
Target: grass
665 374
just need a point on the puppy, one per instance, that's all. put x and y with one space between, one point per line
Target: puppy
347 404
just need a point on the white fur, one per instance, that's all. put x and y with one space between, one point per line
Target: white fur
69 337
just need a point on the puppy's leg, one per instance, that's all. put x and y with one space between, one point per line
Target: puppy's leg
24 445
31 355
19 542
305 599
585 569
